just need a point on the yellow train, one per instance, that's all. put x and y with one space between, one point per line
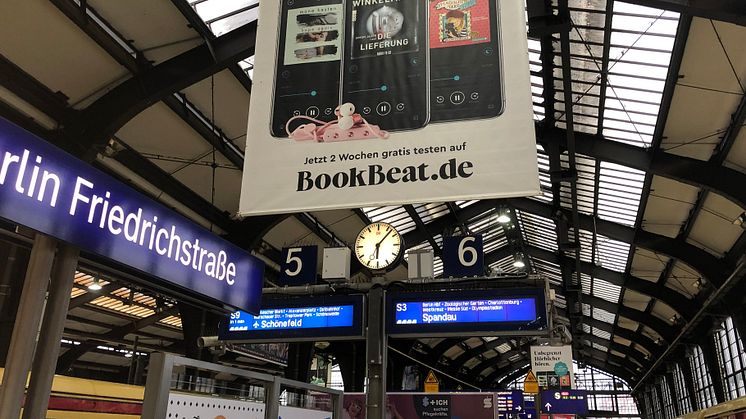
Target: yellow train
78 398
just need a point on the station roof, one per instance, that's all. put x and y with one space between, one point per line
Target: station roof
658 107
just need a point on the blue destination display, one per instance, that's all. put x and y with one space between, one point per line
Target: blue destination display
509 402
48 190
293 318
467 311
564 402
298 319
453 313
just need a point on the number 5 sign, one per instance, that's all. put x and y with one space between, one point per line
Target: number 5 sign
298 265
463 256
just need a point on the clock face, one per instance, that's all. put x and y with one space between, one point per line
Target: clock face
378 246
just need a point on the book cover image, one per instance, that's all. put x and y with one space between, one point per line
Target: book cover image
456 23
383 27
313 34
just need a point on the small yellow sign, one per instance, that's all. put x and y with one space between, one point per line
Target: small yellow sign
531 384
431 383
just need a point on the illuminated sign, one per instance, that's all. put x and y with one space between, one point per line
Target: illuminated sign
564 401
292 318
50 191
332 317
498 311
468 311
509 402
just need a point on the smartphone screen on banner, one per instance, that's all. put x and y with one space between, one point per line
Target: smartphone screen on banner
386 68
465 67
309 59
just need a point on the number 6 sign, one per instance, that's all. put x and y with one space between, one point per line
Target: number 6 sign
463 256
298 265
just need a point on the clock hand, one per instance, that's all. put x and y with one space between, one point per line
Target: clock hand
384 238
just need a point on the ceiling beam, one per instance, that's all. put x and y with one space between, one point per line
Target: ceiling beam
634 337
637 356
23 85
201 27
722 180
67 359
468 354
86 298
102 119
712 268
677 301
732 11
513 375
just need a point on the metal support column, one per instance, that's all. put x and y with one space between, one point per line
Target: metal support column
709 350
376 355
158 385
273 391
686 369
55 314
23 339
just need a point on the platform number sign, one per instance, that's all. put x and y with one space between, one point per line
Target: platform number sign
463 256
298 265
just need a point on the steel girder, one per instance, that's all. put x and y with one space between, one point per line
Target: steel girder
101 120
201 27
66 360
665 330
133 60
36 94
722 180
616 347
677 301
708 265
711 267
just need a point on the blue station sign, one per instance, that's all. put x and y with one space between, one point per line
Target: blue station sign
298 319
572 402
495 312
48 190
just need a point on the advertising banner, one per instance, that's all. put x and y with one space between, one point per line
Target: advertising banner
48 190
374 102
552 366
426 406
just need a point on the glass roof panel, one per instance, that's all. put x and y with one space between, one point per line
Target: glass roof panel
537 82
537 231
610 254
642 39
504 266
396 216
619 192
429 212
601 333
545 179
549 270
